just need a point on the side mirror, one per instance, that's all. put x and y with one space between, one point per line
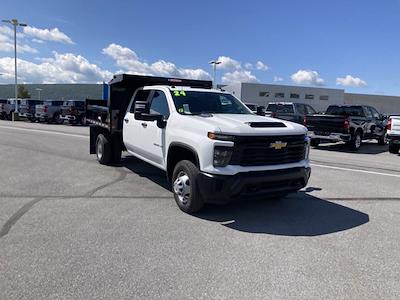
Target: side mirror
142 112
261 111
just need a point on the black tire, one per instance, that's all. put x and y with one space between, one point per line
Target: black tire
191 201
382 140
57 118
116 152
393 148
356 141
315 142
32 120
103 150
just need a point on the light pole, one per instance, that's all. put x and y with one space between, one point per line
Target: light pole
39 90
215 63
15 23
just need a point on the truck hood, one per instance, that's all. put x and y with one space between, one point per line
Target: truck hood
238 124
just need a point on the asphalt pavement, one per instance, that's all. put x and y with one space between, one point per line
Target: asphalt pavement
71 228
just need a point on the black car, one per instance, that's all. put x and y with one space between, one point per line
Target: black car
27 109
73 111
347 123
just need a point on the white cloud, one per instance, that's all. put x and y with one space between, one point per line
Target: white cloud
307 77
54 34
278 78
349 80
7 42
228 63
248 65
261 66
61 68
238 76
129 62
37 41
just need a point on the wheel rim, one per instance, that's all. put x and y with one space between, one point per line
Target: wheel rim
99 150
358 141
182 187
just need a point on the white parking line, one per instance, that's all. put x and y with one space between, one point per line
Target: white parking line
46 131
355 170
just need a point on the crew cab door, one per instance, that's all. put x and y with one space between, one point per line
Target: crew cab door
378 126
144 138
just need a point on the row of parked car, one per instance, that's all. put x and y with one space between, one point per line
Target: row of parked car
339 123
50 111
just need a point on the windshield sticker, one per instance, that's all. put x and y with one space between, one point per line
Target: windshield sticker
186 109
179 93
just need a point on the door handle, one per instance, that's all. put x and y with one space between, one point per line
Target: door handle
144 124
126 120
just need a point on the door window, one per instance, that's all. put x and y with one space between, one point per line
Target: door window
367 112
159 104
302 109
141 95
375 113
310 110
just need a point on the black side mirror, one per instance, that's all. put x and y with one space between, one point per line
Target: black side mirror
261 110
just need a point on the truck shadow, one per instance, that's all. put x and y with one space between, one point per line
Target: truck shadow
296 215
299 214
366 148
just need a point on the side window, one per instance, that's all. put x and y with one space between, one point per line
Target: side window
159 104
302 109
310 110
375 113
141 95
368 113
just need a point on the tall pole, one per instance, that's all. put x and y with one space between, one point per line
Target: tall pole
15 23
214 63
15 66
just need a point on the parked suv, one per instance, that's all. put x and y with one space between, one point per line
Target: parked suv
294 112
73 111
347 123
393 134
27 109
49 111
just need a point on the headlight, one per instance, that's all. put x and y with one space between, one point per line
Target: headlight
222 156
220 137
307 147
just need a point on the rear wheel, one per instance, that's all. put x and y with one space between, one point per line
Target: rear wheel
315 142
103 150
57 119
393 148
184 187
356 141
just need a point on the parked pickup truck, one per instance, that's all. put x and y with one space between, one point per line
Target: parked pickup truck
27 109
256 109
49 111
393 134
73 111
289 111
211 146
7 108
347 123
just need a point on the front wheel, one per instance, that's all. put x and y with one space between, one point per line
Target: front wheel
184 187
315 142
393 148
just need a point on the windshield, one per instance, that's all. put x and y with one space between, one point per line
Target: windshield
281 108
193 103
345 111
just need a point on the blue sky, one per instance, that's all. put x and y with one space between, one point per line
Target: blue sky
310 42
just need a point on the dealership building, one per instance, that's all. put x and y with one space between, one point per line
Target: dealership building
318 97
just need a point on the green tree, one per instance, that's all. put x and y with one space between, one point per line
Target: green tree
23 92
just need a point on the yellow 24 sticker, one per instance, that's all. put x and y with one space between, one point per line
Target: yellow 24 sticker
179 93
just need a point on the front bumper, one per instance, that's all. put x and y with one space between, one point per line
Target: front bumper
26 115
394 139
330 136
42 116
226 188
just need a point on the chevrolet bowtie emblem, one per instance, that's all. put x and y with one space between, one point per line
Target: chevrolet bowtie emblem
278 145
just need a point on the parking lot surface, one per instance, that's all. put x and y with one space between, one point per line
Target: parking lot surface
71 228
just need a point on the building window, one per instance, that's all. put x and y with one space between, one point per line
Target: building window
324 97
294 96
309 97
279 95
264 94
